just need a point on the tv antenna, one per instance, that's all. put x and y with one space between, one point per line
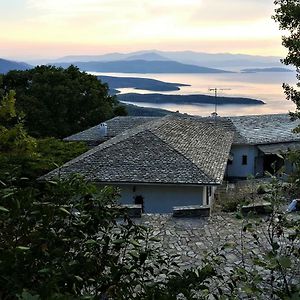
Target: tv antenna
216 90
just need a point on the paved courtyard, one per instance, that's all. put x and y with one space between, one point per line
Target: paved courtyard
190 238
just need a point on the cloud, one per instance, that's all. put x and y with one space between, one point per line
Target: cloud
139 23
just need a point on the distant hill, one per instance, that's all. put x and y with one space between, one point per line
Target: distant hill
140 84
83 58
9 65
147 56
212 60
140 66
185 99
134 110
262 70
222 60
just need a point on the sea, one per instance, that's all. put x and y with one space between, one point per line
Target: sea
262 86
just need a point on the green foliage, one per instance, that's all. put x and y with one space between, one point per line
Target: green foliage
71 241
294 177
23 156
287 14
13 137
269 251
53 153
230 202
7 108
17 148
238 194
120 110
58 102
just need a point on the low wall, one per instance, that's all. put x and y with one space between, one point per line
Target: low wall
133 210
257 208
191 211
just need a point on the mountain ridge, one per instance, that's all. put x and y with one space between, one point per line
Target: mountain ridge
141 67
219 60
9 65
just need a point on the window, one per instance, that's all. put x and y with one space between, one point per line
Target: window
244 160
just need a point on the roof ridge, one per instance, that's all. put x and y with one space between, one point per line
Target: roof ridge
224 130
114 119
176 150
179 152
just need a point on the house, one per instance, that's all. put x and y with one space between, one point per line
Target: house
258 144
162 163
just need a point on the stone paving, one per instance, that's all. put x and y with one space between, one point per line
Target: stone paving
190 238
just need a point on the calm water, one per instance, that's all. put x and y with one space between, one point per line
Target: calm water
262 86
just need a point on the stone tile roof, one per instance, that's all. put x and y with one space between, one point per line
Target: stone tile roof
226 123
249 130
114 127
264 129
169 150
279 148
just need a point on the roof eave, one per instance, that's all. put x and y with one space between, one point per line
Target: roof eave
111 182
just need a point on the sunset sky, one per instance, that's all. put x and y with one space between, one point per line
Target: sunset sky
52 28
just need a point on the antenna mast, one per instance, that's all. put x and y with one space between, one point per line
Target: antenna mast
216 90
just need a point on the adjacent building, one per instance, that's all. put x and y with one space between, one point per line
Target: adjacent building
259 144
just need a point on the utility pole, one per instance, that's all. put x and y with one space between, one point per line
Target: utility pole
216 90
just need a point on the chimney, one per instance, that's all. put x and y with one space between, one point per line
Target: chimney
103 129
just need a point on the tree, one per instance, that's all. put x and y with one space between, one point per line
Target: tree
58 102
24 156
17 148
287 14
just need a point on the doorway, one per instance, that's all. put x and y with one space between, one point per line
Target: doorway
139 200
272 163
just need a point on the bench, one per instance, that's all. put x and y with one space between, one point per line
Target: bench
257 208
191 211
133 210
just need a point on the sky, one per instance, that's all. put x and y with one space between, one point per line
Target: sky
33 29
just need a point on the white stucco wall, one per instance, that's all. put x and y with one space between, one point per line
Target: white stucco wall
237 169
162 198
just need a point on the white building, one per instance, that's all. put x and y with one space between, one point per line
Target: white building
167 162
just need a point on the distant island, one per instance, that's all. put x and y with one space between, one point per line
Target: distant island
186 99
265 70
141 67
115 83
9 65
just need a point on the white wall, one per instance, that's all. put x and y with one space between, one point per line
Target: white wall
237 169
162 198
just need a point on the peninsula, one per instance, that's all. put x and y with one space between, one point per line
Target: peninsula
115 83
186 99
